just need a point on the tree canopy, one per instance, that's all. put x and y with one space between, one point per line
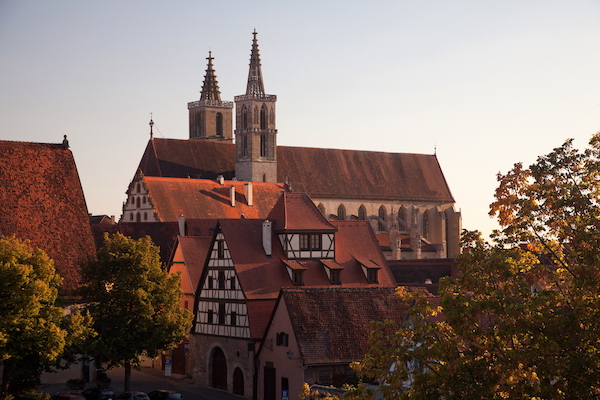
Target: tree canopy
522 320
35 332
135 304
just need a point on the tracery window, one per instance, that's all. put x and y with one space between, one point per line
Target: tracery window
219 122
362 213
381 214
263 117
341 212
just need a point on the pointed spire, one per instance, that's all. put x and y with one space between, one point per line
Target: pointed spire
255 86
210 87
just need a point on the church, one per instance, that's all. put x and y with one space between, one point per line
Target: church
404 197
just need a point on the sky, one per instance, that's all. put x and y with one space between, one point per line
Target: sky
482 84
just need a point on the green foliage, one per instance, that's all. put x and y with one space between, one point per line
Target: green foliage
134 303
522 320
35 333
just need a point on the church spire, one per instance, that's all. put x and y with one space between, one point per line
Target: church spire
210 87
255 85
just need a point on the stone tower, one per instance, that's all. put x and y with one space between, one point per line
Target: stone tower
255 132
211 118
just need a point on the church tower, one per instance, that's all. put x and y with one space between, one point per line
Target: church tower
211 118
255 133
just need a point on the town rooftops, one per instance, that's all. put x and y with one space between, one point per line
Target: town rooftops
210 199
333 325
324 173
41 200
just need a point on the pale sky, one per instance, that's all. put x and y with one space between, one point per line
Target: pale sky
486 83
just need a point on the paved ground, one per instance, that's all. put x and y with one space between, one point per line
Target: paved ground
148 379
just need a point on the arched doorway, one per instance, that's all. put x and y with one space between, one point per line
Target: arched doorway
219 369
238 382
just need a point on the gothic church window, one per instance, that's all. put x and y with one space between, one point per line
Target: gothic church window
244 146
341 213
381 214
245 117
263 145
219 122
425 224
263 117
362 213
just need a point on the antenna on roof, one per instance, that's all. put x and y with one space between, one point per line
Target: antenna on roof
434 148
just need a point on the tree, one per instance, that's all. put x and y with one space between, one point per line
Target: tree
522 321
135 304
35 332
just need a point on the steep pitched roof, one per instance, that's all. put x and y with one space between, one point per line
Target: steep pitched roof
297 212
195 250
262 276
332 325
207 199
326 173
41 200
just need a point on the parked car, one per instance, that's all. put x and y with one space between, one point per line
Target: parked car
67 397
96 393
133 396
164 395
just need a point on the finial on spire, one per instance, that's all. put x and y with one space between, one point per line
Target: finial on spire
65 143
151 126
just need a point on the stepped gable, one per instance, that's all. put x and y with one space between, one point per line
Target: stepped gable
297 212
206 199
333 325
362 174
201 159
41 200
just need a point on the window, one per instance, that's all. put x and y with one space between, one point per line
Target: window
298 277
263 117
145 216
186 305
372 275
220 249
381 225
312 241
362 213
281 339
233 318
244 145
341 213
210 316
264 177
211 282
426 225
222 314
137 202
255 120
219 124
137 217
334 277
221 280
232 283
263 145
143 199
131 217
245 118
325 377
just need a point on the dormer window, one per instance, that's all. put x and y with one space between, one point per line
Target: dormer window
333 271
371 270
296 271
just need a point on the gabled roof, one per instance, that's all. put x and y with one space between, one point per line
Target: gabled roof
333 325
297 212
195 250
208 199
322 173
262 276
41 200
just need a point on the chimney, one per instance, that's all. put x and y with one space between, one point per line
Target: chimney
267 236
232 195
249 193
221 180
181 225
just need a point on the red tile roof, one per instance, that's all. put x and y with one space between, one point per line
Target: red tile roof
296 211
328 173
41 200
207 199
195 250
332 325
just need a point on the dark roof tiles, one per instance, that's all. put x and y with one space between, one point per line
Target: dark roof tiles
41 200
